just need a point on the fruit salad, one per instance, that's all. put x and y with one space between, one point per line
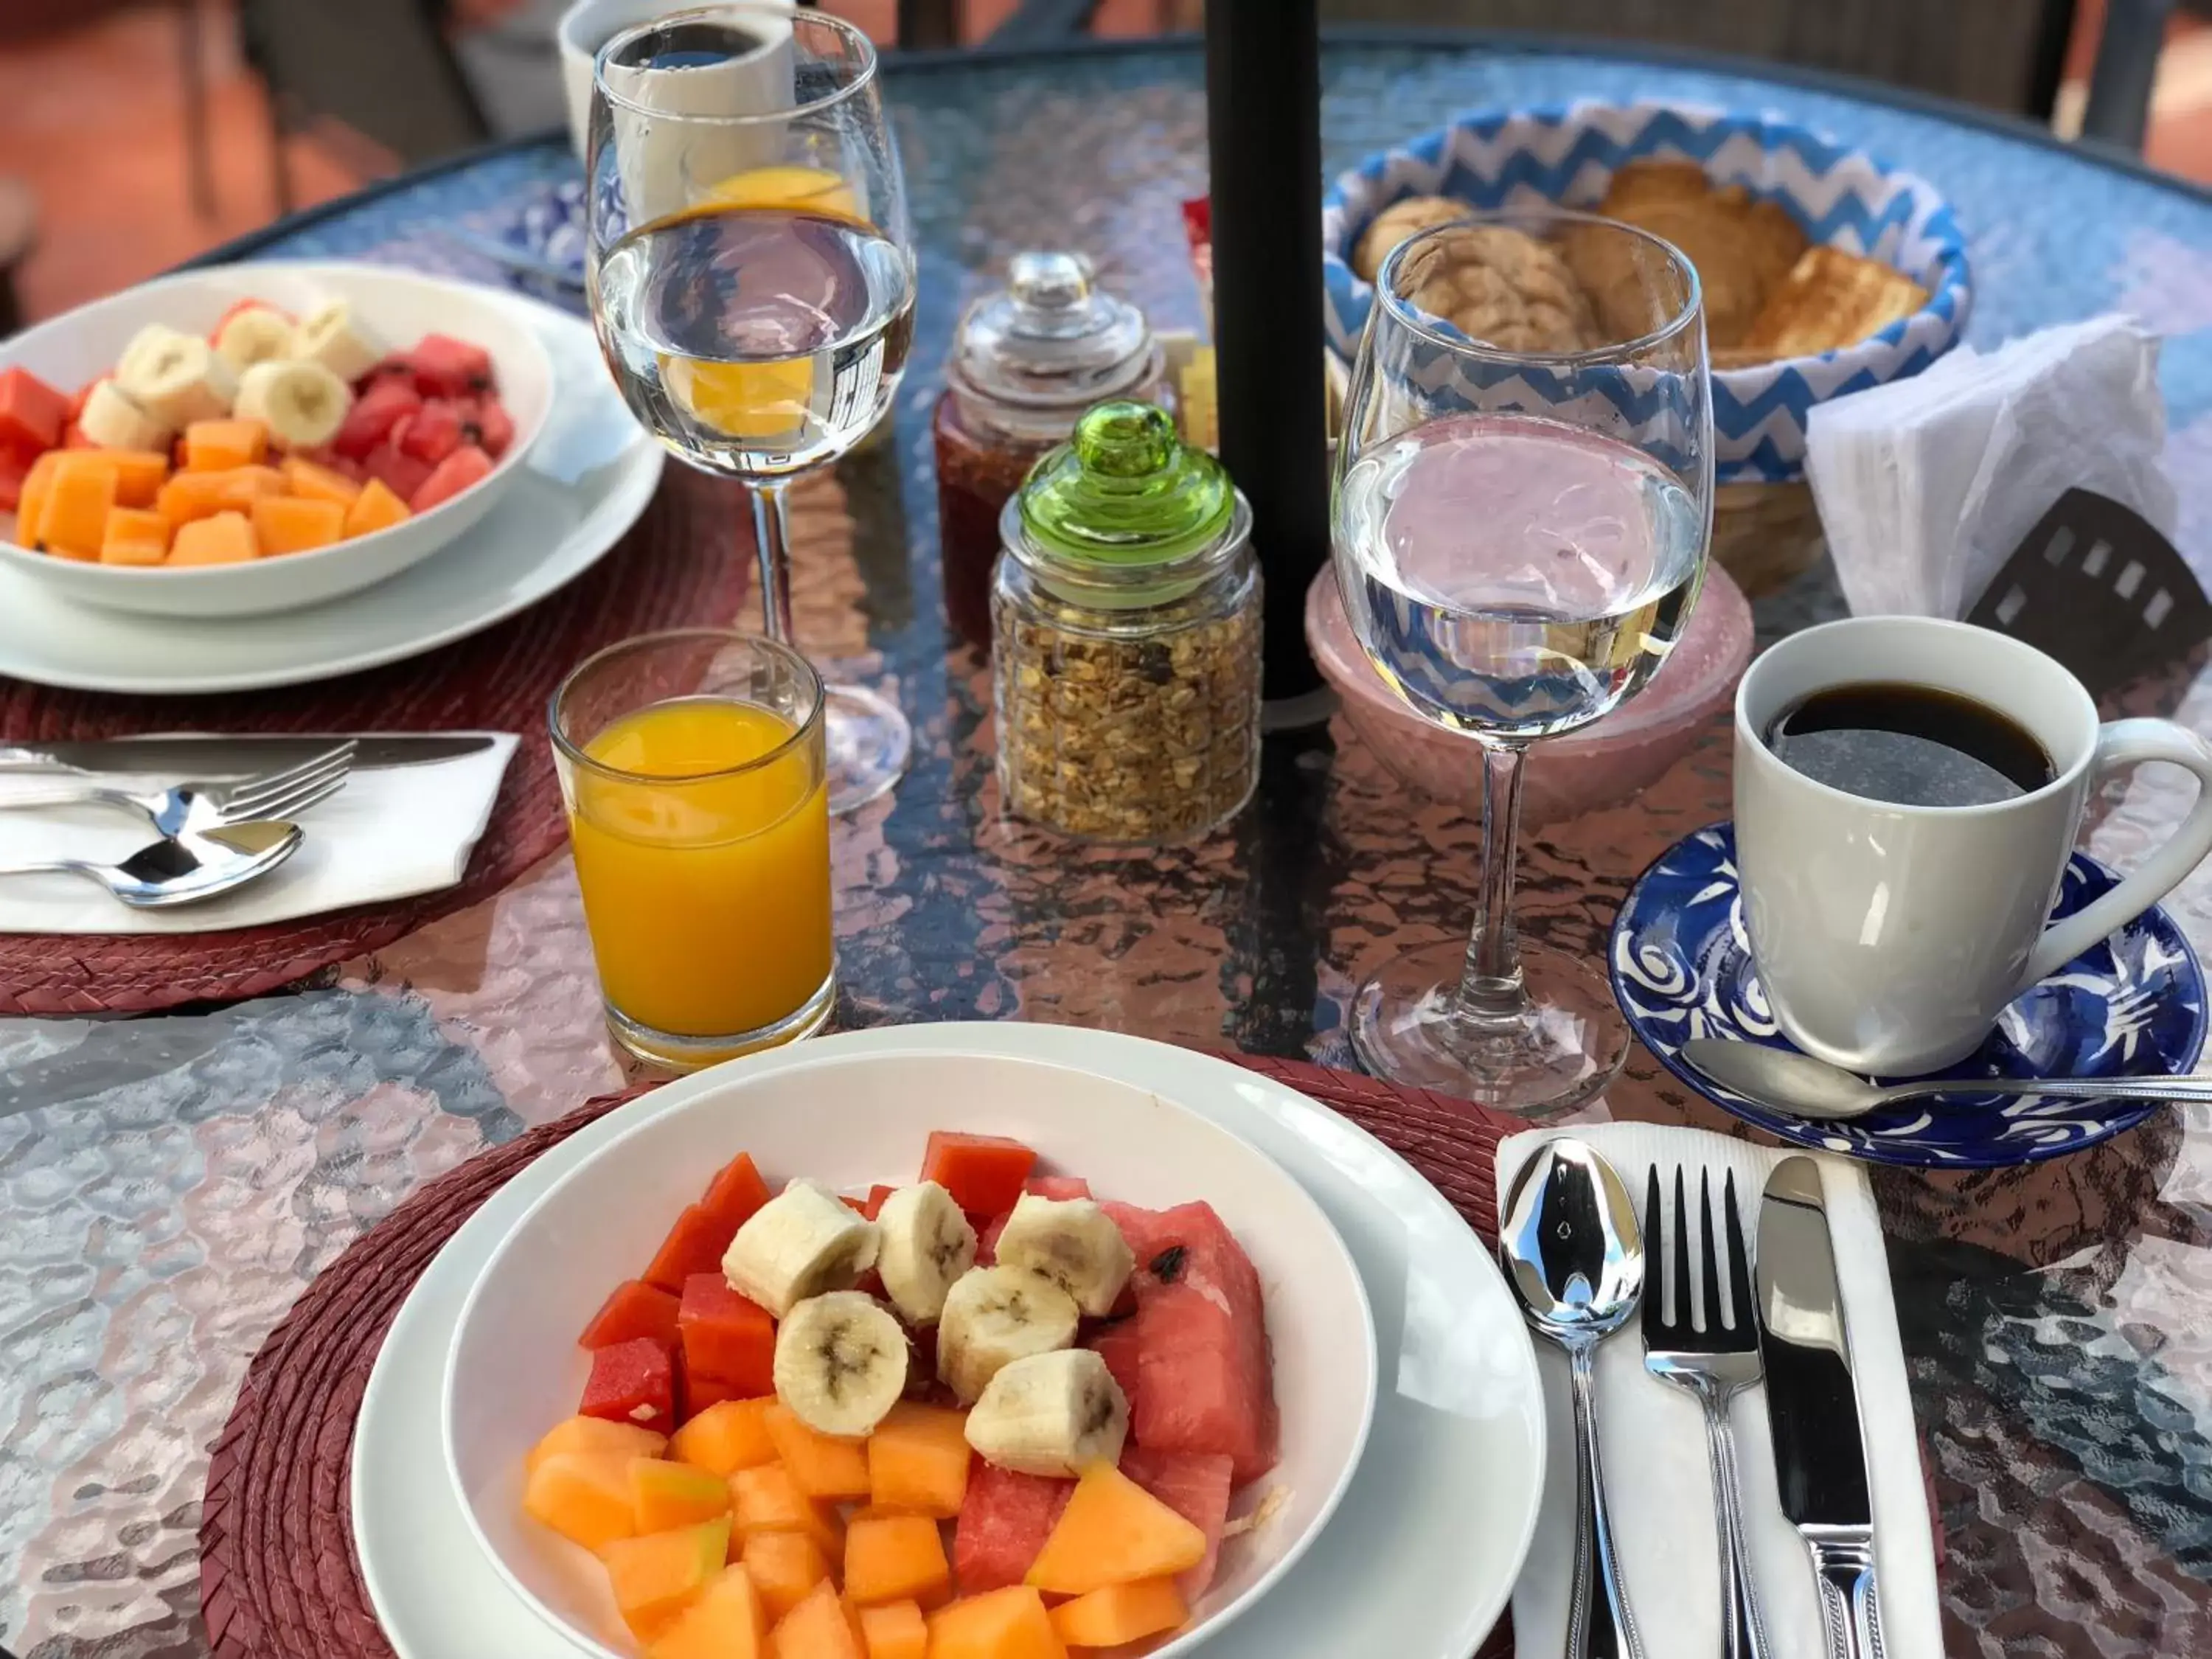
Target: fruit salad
982 1416
271 435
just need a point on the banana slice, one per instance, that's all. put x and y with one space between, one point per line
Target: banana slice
332 336
303 404
993 1316
1051 1415
176 378
110 420
801 1242
927 1244
840 1362
259 334
1072 1243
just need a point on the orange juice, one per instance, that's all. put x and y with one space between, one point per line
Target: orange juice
707 897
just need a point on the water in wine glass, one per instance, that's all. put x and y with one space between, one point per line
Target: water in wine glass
1514 576
759 340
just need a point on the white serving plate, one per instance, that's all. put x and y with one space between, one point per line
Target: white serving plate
1418 1562
400 307
584 483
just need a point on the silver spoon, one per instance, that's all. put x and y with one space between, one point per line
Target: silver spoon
1791 1081
1575 1254
182 869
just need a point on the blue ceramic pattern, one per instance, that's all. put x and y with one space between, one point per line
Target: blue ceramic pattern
1682 968
1567 155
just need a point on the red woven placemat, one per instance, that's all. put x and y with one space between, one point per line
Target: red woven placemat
686 560
279 1579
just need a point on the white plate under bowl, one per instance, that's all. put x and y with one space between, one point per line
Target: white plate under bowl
585 481
852 1119
398 307
1418 1561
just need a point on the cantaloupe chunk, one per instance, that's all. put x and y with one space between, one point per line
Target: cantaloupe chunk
226 538
313 481
726 1622
918 1461
583 1496
1120 1612
1114 1532
189 495
897 1631
820 1627
286 523
134 535
896 1558
74 519
241 486
597 1434
785 1566
139 475
670 1495
375 508
822 1467
766 1499
1006 1624
220 446
656 1577
38 483
727 1438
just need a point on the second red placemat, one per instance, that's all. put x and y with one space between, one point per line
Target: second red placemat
278 1578
687 560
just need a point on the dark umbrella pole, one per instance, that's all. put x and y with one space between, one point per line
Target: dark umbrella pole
1263 132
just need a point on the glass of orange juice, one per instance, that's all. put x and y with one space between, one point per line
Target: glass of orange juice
693 768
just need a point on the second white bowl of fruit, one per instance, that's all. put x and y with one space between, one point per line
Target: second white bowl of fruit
259 437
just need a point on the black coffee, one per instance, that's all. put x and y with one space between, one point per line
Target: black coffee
1911 745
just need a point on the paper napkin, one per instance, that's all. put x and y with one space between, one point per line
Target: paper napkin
1652 1437
391 833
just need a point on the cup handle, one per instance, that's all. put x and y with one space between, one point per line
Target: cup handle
2119 745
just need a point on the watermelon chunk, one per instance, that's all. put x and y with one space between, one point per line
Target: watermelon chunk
32 413
1004 1522
1205 1379
983 1173
372 417
1196 1488
488 426
694 1245
447 367
1059 1188
1116 1343
695 1394
736 1192
465 466
632 1381
401 474
726 1338
433 433
987 1239
635 1309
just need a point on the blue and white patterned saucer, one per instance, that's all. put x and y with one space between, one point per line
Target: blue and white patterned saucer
1682 968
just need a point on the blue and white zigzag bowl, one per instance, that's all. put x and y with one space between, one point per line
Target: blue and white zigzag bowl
1567 156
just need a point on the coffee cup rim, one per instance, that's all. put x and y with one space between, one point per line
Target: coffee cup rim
2064 775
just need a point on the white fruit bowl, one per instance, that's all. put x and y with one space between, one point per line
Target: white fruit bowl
401 307
851 1119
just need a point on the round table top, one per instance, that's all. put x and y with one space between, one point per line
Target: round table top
168 1184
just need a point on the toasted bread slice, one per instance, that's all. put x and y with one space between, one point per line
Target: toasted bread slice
1832 299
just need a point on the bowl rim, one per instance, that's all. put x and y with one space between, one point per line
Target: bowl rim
518 450
703 1088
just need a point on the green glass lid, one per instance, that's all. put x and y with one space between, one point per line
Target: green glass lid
1126 492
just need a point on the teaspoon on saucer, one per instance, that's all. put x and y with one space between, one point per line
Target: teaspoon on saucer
1790 1081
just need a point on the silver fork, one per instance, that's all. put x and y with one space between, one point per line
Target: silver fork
200 807
1716 1364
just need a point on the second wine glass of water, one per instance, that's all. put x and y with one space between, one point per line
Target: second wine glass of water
1520 532
752 277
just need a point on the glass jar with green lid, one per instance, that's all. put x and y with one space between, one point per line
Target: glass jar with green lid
1125 617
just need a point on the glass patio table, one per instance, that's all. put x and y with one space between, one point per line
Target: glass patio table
169 1183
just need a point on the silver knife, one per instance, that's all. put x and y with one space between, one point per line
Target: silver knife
1812 1406
216 756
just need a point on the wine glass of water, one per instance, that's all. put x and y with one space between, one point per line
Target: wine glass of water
752 277
1519 537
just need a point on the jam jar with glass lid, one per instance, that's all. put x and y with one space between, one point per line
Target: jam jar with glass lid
1125 671
1027 361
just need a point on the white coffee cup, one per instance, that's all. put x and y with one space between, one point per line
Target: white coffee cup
590 24
1889 939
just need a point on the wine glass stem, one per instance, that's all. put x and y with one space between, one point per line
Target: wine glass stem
772 541
1491 987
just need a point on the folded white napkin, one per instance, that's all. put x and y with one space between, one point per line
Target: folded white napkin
1928 484
1652 1436
391 833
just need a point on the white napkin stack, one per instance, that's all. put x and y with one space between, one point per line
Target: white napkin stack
1927 485
391 833
1652 1437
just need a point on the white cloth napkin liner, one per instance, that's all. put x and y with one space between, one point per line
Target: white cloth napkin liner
1653 1441
391 833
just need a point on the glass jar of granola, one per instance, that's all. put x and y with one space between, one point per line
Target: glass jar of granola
1126 610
